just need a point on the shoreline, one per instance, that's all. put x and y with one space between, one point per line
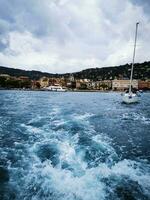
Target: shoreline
42 90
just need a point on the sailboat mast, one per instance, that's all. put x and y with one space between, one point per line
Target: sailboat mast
133 57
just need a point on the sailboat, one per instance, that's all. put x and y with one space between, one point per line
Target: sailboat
130 96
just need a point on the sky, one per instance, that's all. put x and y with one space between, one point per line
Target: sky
60 36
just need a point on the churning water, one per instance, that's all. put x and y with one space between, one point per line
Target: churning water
73 146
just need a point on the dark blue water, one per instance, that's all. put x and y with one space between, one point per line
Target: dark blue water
73 146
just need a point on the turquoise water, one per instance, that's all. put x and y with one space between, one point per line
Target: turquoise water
73 146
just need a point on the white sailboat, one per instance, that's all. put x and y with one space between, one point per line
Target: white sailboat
131 97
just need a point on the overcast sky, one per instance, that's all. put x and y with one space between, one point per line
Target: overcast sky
70 35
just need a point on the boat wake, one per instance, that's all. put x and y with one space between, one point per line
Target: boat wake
63 158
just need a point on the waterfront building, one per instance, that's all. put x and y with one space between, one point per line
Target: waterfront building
5 76
99 85
122 85
144 85
78 84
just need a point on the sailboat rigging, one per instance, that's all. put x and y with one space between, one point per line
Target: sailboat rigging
131 97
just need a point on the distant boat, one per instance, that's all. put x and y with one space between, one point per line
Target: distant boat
56 88
130 96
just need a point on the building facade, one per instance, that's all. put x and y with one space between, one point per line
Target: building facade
144 85
122 85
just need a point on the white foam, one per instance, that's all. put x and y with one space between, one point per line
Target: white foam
90 185
84 116
133 170
136 117
59 122
35 119
85 187
31 129
77 182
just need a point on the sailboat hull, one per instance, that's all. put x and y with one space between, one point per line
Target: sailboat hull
130 98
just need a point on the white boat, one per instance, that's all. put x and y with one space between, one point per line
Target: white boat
56 88
131 97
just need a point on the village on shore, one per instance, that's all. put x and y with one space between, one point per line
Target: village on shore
71 83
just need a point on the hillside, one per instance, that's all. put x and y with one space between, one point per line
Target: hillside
141 71
33 75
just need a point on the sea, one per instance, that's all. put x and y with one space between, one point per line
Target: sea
73 146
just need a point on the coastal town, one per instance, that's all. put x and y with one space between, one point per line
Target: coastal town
75 100
70 83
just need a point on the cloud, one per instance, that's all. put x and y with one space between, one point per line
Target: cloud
69 35
144 3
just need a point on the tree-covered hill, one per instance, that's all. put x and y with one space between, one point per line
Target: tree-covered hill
141 71
33 75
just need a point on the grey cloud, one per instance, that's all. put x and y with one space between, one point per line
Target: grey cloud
145 4
4 26
69 33
4 29
38 17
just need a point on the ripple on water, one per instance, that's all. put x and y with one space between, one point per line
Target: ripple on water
63 157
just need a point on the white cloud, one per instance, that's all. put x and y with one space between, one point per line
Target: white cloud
70 35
